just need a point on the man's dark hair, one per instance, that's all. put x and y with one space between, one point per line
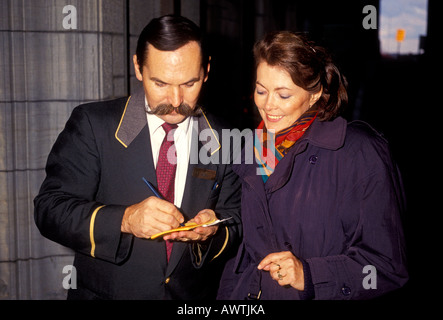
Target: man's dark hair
169 33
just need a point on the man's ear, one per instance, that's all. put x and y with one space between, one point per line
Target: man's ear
137 68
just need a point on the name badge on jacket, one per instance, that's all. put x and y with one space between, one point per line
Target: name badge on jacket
204 173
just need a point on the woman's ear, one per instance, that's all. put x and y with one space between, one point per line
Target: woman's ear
315 96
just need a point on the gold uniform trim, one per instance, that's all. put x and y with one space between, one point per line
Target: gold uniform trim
120 123
91 231
224 244
213 133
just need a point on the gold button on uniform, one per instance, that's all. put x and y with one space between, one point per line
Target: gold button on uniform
167 280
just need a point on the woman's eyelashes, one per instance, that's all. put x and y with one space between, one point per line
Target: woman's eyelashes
262 92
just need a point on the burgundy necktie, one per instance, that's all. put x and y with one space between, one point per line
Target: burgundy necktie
166 165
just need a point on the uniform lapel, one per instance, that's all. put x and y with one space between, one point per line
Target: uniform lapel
133 134
133 119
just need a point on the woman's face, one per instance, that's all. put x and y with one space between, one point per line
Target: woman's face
279 100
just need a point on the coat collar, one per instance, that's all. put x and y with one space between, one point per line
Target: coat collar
133 120
326 135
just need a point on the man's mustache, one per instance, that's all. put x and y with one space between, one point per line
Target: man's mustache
183 109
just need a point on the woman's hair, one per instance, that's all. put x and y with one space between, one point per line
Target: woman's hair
309 66
169 33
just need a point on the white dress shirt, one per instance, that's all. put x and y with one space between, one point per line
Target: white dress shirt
182 141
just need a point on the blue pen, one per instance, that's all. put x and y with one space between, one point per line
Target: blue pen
156 193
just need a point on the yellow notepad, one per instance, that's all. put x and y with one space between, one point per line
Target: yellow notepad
189 226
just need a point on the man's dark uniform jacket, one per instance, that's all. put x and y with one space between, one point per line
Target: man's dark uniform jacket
95 171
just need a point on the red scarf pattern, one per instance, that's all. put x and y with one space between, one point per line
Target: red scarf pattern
268 155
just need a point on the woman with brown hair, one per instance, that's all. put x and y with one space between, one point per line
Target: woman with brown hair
322 204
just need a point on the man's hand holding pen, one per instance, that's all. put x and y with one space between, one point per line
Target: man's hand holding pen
151 216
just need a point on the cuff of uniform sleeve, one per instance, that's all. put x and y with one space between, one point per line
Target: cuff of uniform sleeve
107 241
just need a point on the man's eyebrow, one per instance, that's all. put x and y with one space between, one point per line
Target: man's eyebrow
187 82
197 79
157 80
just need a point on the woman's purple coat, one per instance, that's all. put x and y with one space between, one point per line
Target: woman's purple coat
335 201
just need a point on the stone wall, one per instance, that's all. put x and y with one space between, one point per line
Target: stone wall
45 71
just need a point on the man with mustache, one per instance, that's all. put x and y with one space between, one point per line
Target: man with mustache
95 200
183 109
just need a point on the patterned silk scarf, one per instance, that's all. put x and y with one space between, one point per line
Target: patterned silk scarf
268 154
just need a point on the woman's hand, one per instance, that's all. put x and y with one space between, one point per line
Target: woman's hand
284 268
